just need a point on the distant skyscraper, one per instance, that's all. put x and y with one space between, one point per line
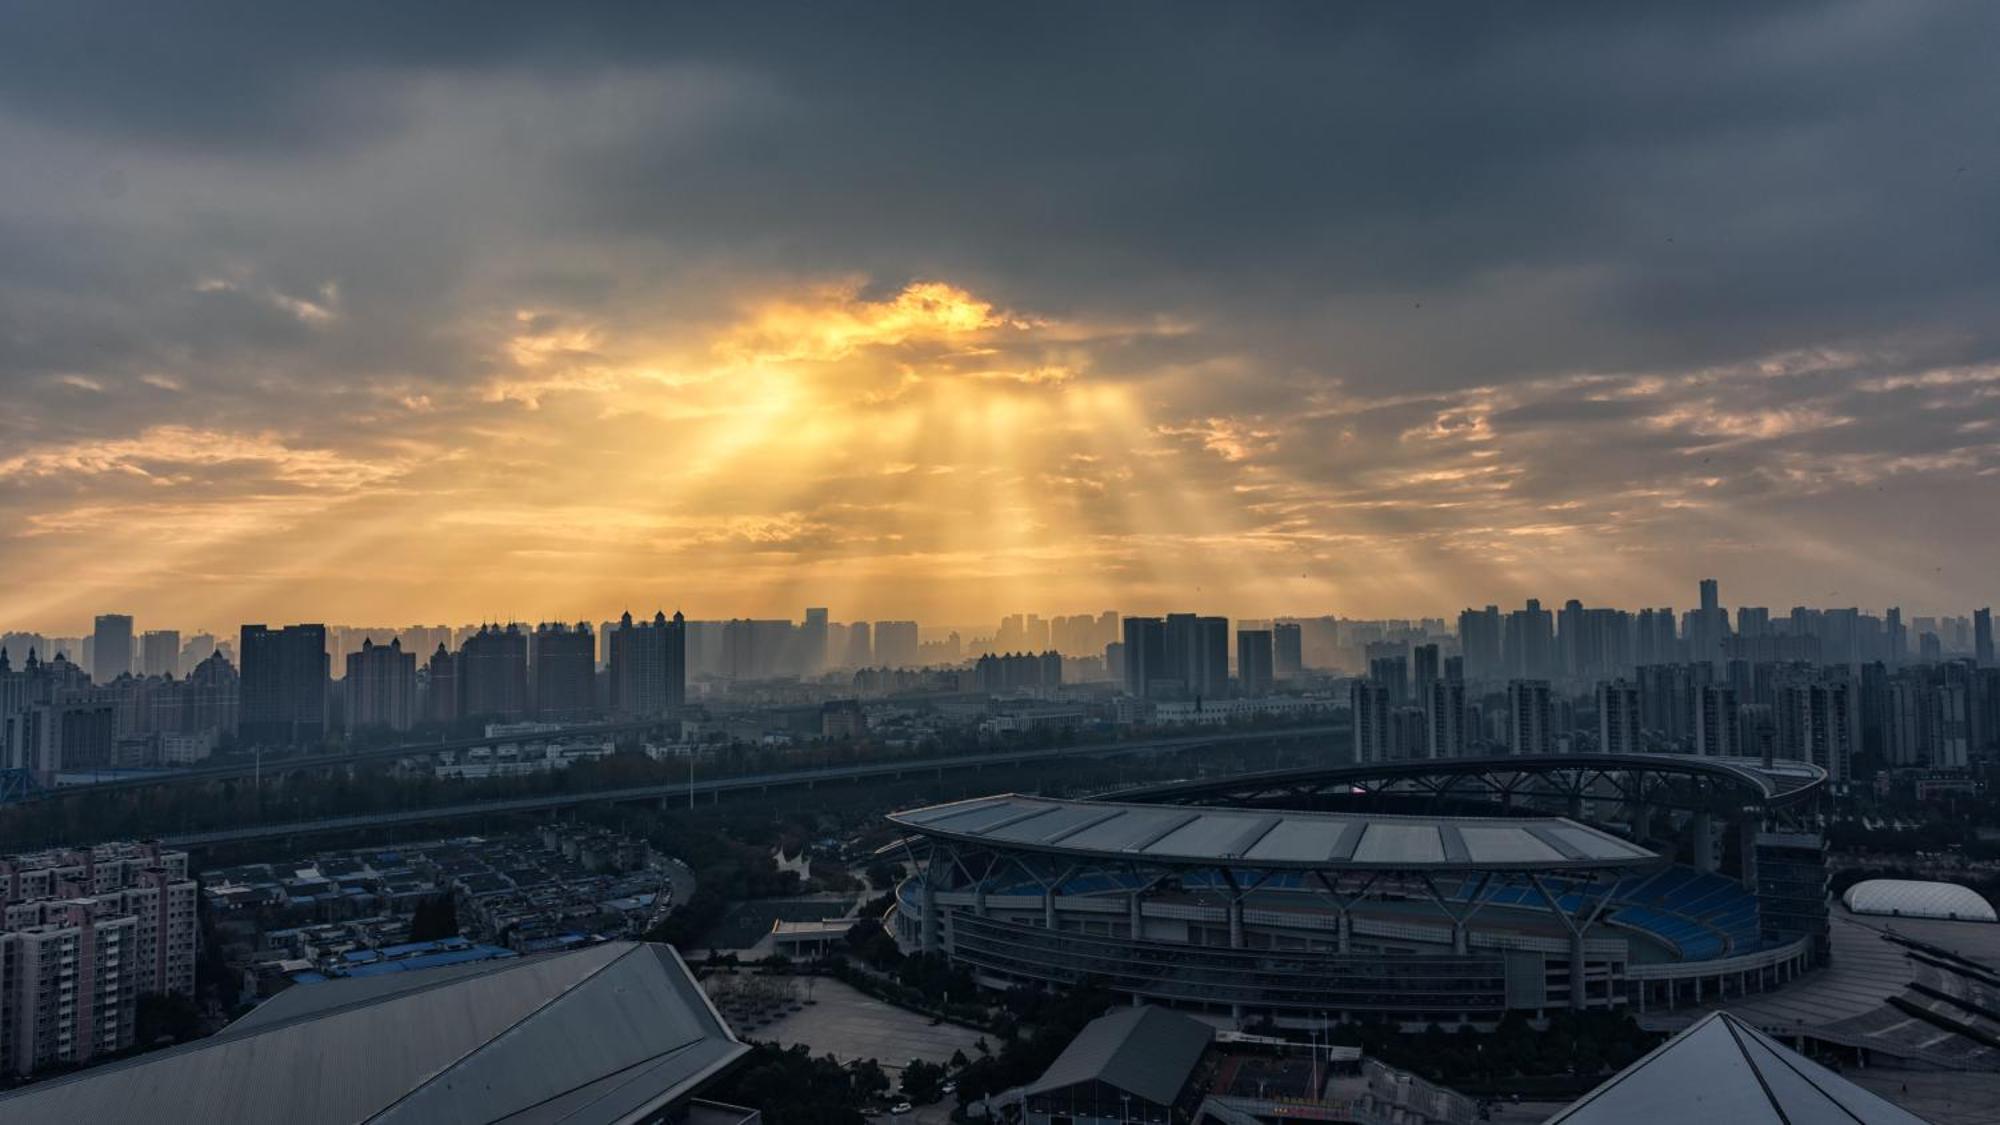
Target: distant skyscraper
111 647
381 687
1423 673
1254 651
283 685
1480 638
860 646
1717 723
1287 651
1146 672
160 653
813 640
1818 722
1446 719
1528 643
1618 723
1369 703
649 666
441 686
1982 637
564 661
1530 718
1393 673
493 673
896 644
196 649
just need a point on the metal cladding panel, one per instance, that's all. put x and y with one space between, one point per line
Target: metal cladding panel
1593 844
1051 824
1721 1069
356 1054
1298 839
1386 843
1207 835
1127 830
1484 844
976 818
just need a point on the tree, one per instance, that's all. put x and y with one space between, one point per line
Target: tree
921 1081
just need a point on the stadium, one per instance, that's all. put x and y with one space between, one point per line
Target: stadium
1444 891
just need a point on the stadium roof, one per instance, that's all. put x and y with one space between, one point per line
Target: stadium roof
1722 1069
1916 898
1275 839
1778 782
1147 1052
601 1035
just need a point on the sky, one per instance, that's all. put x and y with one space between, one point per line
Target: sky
403 313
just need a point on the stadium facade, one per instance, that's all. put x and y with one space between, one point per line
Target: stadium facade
1447 892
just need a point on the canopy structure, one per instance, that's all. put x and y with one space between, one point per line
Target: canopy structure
1916 898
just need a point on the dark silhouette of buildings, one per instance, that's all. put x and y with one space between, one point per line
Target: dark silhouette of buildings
493 673
283 685
649 666
565 669
381 687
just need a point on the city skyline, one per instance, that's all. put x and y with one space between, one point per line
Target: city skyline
511 315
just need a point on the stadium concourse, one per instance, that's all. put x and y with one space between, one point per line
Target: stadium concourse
1373 890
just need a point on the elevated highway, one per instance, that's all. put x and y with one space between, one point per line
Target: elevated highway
713 788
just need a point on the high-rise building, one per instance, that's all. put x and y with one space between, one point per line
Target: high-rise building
283 685
860 649
1369 703
160 653
1530 717
196 649
440 687
896 644
1393 673
381 687
1618 725
1197 654
1446 719
1146 673
111 647
1480 639
1982 637
813 637
1528 643
86 933
1818 722
1424 668
1287 651
649 666
1254 664
564 662
493 673
1717 725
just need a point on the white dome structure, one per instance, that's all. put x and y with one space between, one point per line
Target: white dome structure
1913 898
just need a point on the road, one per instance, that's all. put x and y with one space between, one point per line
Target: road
713 788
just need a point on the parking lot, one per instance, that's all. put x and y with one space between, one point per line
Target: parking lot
852 1025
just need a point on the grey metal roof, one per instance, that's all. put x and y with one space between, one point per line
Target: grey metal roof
600 1035
1722 1069
1147 1052
1273 838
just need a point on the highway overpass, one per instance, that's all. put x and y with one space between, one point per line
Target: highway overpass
713 788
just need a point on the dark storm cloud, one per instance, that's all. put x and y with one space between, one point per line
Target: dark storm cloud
1346 245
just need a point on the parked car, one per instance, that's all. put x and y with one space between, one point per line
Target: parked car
901 1108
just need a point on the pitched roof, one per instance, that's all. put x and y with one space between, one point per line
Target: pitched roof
1147 1052
1722 1069
592 1036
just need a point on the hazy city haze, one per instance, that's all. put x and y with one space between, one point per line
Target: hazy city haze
461 312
